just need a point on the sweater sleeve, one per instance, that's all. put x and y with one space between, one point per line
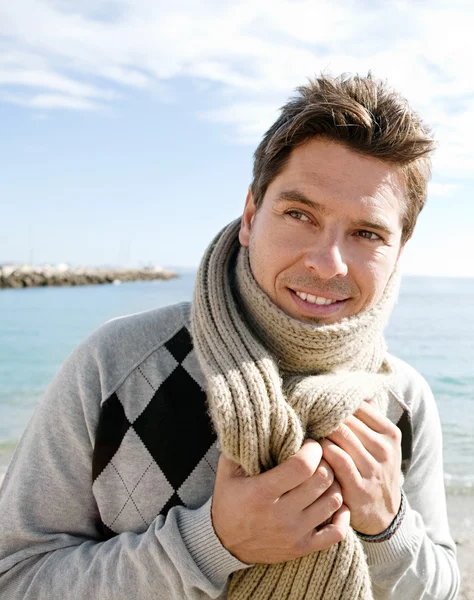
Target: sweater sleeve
50 546
419 561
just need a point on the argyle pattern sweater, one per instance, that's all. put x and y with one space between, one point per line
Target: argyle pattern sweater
109 492
157 416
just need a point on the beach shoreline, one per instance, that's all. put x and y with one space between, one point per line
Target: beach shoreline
461 523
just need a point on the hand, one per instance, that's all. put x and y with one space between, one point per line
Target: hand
271 517
365 454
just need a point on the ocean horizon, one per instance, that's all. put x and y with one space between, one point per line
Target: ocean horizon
432 328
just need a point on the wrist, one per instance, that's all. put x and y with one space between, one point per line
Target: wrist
201 541
224 536
387 533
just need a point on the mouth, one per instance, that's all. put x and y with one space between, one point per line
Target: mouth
317 306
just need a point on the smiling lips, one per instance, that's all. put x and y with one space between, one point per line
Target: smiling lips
320 300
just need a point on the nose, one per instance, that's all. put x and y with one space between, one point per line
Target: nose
326 259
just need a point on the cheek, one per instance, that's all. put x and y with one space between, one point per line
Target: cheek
269 256
373 275
259 258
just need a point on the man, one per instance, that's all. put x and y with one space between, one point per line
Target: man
301 485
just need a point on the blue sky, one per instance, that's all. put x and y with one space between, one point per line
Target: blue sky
128 126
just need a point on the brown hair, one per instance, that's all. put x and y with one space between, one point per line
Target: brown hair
364 114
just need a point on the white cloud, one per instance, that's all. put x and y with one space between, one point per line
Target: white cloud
50 101
52 81
250 119
60 101
252 54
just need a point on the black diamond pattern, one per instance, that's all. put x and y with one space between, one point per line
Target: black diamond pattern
175 500
180 345
105 531
175 426
113 425
405 426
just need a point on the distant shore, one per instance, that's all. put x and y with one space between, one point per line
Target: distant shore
25 276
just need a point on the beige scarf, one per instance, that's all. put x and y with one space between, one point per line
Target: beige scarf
271 382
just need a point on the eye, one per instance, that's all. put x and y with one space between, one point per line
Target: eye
368 235
298 216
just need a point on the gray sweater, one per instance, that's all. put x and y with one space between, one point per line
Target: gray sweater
108 494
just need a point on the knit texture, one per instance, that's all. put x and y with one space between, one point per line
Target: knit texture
272 381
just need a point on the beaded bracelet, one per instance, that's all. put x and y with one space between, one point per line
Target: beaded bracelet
392 528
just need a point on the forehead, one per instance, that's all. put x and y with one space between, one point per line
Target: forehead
331 172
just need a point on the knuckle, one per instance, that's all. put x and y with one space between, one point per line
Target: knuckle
395 434
392 431
340 533
345 432
335 501
325 474
371 469
384 453
303 466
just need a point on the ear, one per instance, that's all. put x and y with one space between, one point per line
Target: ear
247 218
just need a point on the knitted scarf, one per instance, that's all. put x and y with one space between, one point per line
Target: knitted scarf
272 381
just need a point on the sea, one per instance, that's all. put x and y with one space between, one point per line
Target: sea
432 328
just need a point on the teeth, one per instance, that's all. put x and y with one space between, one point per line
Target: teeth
315 299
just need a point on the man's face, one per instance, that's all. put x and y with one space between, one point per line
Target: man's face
326 238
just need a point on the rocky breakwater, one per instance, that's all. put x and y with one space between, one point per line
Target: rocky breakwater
16 276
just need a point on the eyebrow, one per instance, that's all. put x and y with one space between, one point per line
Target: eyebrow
297 196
